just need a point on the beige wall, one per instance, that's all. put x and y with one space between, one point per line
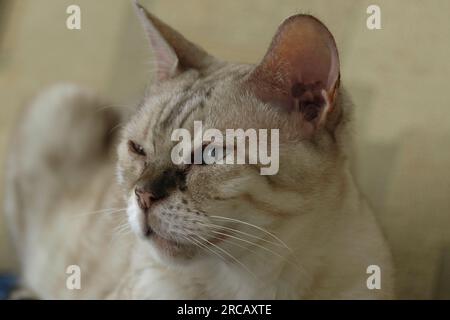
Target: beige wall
397 77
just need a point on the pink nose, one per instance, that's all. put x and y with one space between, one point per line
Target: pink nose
144 198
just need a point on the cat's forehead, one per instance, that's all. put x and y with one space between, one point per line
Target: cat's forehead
190 97
175 104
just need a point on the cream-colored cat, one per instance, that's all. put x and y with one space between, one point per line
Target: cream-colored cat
141 227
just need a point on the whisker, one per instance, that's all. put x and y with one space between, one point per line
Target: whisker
203 246
249 242
117 126
103 107
241 232
120 235
254 226
104 211
229 255
285 258
231 241
121 228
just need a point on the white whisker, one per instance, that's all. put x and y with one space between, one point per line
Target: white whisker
249 242
241 232
254 226
104 211
203 246
229 255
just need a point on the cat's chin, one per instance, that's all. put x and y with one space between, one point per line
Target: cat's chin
168 251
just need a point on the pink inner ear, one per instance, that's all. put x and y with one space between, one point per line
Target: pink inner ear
306 50
301 62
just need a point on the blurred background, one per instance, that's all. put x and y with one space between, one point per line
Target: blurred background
397 76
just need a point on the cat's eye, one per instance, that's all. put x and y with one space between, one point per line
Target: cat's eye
136 148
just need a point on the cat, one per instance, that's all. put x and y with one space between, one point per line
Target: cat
140 227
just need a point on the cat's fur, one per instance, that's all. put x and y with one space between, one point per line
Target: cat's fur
322 234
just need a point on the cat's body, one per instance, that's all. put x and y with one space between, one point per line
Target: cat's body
303 233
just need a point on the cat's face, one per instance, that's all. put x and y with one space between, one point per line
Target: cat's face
193 211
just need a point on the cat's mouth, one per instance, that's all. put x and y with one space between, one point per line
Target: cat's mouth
148 231
171 237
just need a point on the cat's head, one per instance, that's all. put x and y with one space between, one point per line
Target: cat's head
222 210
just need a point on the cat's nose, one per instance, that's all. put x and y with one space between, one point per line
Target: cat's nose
144 198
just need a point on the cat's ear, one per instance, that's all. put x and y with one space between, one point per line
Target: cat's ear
171 52
300 71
